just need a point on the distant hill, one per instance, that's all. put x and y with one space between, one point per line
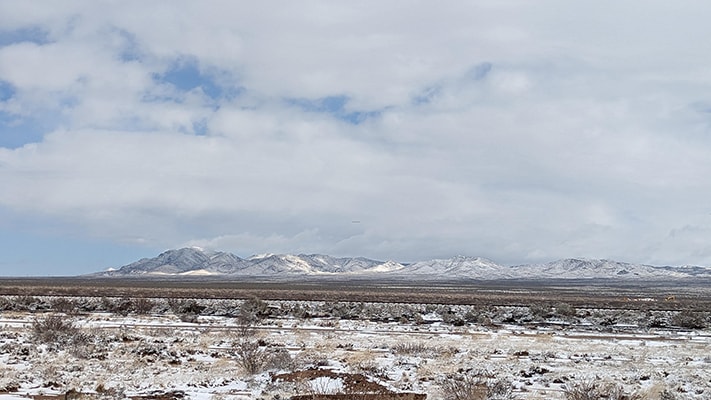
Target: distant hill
198 262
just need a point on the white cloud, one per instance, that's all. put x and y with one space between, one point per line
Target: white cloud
508 130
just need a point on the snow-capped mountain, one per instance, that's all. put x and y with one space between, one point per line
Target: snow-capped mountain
461 267
186 261
577 268
311 264
196 261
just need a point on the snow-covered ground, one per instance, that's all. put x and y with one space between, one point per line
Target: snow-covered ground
121 356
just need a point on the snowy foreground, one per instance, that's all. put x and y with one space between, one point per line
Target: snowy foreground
107 355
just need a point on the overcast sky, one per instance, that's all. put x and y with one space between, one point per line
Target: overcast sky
514 130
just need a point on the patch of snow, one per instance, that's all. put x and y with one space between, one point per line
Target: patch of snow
197 272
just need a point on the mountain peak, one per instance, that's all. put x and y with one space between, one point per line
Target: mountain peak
195 261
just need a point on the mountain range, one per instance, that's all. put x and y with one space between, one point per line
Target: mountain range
195 261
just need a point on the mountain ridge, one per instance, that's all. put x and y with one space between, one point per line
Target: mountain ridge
194 261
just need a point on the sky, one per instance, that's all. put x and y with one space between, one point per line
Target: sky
519 131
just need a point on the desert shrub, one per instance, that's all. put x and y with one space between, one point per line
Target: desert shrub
126 305
104 392
450 317
541 311
254 356
597 390
26 303
691 320
280 359
565 310
63 305
656 320
256 307
185 306
415 349
667 395
60 332
122 306
5 304
105 304
186 310
143 306
189 318
344 310
250 356
476 386
251 311
53 329
8 381
478 316
500 389
86 345
465 387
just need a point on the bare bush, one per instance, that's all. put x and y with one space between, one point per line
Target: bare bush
565 310
189 318
667 395
477 386
143 306
61 333
122 306
596 390
691 320
250 356
6 304
186 310
104 392
53 329
64 305
415 349
27 303
250 313
464 387
254 356
280 359
181 306
541 311
9 381
500 389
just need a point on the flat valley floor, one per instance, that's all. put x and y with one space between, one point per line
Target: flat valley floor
73 338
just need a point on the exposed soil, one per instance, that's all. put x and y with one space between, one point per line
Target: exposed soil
355 386
352 383
362 396
73 395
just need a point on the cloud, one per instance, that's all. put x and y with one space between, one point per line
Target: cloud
512 131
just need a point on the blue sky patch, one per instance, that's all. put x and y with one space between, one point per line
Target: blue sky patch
200 127
330 104
6 91
16 132
185 75
427 95
130 50
358 117
61 254
32 35
334 105
479 72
